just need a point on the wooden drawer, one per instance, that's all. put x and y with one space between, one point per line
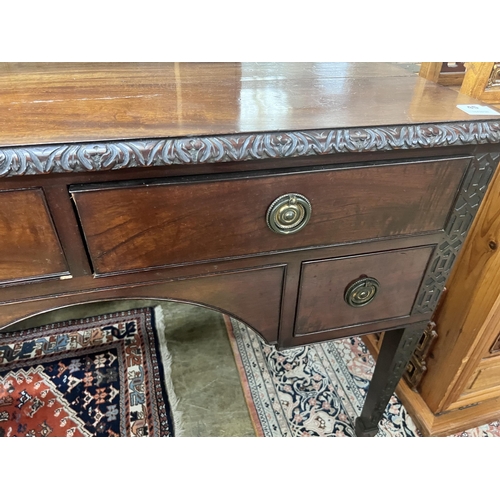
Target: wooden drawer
132 227
29 245
486 377
323 284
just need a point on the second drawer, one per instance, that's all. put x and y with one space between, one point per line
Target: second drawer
364 289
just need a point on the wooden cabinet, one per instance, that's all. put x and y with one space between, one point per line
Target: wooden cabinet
469 389
482 81
460 388
453 381
321 216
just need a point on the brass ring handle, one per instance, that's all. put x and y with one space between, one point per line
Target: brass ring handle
361 292
289 213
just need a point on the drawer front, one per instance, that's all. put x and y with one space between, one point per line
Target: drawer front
131 227
29 245
324 284
485 378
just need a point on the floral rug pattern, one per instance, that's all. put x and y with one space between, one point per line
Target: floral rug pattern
316 390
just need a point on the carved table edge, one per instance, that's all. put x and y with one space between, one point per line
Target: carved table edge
115 155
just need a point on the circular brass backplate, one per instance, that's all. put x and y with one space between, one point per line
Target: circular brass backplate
289 213
361 292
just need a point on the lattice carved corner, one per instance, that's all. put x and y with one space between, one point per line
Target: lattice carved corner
471 193
418 363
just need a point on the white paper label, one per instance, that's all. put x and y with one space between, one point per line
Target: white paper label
475 109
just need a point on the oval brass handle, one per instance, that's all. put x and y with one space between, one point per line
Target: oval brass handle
289 213
361 292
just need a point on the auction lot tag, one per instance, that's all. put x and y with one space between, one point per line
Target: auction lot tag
475 109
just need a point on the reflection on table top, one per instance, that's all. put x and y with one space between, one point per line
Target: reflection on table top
77 102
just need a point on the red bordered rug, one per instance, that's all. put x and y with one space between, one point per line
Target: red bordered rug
99 376
316 390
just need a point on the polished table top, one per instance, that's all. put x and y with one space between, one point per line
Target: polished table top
84 102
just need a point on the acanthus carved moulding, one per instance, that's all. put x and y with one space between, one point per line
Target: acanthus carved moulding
114 155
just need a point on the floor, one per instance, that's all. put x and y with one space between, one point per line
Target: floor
204 374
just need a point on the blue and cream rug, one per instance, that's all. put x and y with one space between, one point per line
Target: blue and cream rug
109 375
317 390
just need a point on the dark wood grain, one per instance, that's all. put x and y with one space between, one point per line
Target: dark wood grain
65 219
396 148
323 283
51 103
137 227
44 289
251 295
29 246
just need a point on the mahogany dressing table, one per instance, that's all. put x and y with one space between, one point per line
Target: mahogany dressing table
311 201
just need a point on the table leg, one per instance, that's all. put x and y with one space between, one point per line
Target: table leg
397 348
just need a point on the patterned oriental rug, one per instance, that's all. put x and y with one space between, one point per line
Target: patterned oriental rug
316 390
100 376
109 376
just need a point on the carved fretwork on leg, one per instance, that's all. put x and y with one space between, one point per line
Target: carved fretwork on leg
397 348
